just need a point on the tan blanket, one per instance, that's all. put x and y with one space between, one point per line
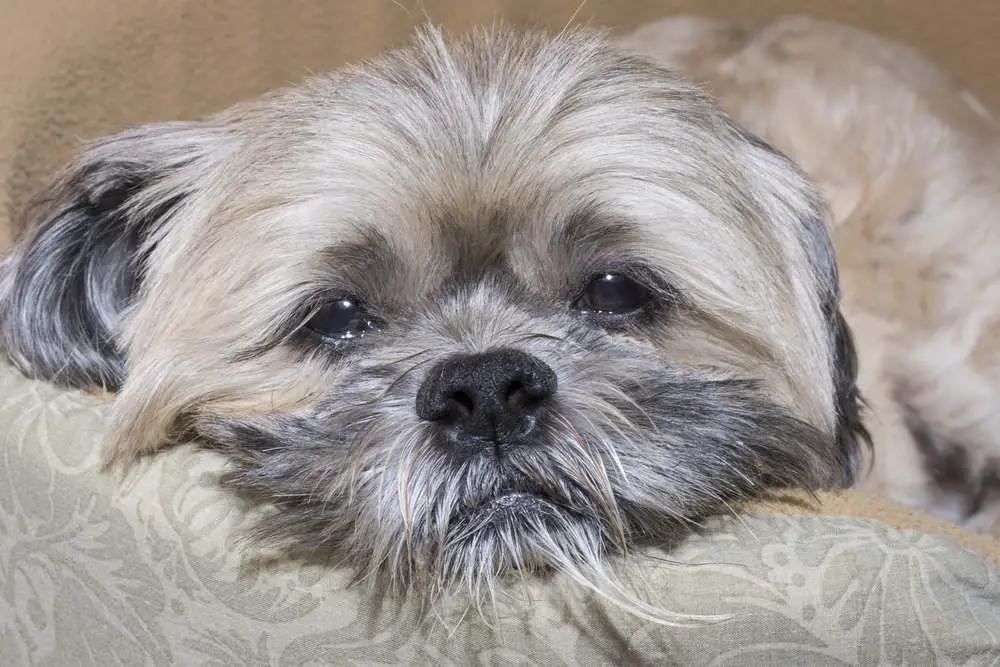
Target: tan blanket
855 504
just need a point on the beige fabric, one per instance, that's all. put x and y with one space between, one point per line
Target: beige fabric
861 505
154 573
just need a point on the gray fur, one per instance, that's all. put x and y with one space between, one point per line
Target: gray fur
633 453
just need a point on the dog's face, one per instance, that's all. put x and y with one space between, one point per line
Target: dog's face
506 303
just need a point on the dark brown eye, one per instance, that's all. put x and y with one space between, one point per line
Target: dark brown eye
613 293
341 320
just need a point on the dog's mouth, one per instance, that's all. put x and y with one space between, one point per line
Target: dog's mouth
510 519
514 503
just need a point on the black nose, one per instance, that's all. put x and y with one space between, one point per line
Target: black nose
493 396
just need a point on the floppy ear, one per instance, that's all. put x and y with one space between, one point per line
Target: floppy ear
788 192
853 437
67 282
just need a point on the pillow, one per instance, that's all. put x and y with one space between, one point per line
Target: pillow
154 571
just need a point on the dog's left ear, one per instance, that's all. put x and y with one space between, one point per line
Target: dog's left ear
792 197
78 267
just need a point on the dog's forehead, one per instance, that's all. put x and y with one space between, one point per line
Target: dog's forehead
447 162
477 124
491 155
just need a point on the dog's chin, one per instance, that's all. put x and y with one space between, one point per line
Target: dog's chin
519 532
522 525
508 516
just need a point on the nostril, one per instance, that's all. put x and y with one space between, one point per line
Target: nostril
462 404
491 395
514 394
521 395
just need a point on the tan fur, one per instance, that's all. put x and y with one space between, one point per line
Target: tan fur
908 160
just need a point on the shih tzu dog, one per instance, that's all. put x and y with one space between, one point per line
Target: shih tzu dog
908 160
508 303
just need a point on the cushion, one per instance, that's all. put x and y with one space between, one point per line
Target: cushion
154 571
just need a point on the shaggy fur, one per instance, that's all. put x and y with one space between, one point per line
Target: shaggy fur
908 160
463 200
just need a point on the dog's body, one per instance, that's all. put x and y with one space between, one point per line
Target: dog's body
909 162
479 307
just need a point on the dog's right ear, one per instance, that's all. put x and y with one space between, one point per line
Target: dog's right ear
79 265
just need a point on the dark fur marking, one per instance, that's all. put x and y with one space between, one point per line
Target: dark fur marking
72 282
474 245
589 243
948 463
368 269
852 434
686 424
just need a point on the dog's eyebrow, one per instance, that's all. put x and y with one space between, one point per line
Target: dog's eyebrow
589 227
361 261
591 235
592 240
370 266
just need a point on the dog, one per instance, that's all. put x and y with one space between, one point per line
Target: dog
907 159
500 304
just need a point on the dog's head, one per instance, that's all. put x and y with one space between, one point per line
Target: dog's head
501 303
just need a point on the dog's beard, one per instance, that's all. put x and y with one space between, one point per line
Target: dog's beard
630 453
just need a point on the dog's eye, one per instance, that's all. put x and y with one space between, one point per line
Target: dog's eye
343 319
613 293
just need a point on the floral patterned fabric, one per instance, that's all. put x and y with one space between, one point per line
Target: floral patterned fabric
152 572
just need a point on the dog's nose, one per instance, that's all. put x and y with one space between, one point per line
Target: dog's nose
492 396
